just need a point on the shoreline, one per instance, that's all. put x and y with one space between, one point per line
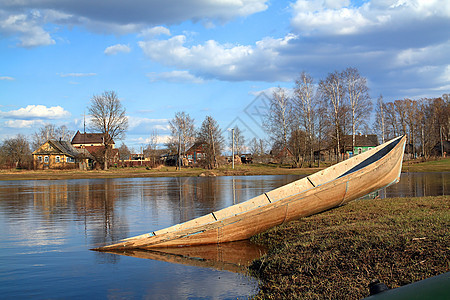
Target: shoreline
442 165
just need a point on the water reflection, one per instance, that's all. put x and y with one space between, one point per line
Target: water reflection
419 185
233 256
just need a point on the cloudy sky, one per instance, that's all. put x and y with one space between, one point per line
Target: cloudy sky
207 57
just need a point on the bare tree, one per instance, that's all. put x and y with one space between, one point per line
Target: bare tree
108 117
183 133
298 144
239 141
332 91
359 101
16 151
380 118
413 121
257 147
279 119
124 152
306 103
210 135
391 121
400 109
150 150
50 132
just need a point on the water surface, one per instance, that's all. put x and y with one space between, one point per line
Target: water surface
47 227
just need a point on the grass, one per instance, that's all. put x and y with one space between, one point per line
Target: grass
254 169
439 165
442 165
336 254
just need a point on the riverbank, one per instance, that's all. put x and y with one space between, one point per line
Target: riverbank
336 254
163 171
240 170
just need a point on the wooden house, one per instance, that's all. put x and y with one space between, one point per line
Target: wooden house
196 153
93 143
363 143
56 154
281 155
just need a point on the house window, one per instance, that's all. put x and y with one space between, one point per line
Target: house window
70 159
46 159
57 159
40 159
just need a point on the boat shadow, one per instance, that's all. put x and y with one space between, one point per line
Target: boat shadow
233 256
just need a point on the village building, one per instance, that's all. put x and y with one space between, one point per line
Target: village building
283 155
93 143
363 143
56 154
196 153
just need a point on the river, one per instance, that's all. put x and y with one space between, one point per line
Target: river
48 227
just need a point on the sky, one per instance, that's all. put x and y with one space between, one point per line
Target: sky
207 57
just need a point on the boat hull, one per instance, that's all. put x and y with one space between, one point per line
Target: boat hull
318 192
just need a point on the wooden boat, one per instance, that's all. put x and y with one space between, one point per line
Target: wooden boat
326 189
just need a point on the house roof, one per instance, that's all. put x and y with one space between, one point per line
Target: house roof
363 140
58 147
88 138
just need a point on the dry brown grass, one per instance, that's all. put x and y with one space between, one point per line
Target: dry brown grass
335 255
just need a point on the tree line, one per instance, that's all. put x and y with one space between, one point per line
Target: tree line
316 116
311 117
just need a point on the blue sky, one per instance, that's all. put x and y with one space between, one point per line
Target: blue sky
207 57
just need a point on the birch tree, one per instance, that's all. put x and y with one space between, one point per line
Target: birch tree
280 117
391 121
305 103
359 101
183 132
380 117
332 91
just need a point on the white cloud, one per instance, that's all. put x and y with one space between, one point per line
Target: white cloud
28 29
22 123
36 112
215 60
6 78
154 32
115 49
341 17
175 76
